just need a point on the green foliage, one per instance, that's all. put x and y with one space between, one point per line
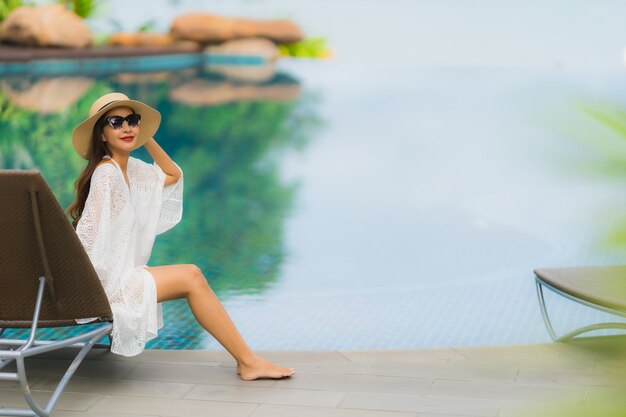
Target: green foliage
306 48
608 156
148 26
608 143
83 8
100 38
34 141
115 24
608 115
7 6
604 405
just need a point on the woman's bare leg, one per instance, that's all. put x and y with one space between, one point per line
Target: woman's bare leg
187 281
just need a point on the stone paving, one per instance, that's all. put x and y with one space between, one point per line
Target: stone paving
584 378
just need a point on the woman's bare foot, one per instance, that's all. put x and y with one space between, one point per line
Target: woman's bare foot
260 368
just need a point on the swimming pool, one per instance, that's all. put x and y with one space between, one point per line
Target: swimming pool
401 194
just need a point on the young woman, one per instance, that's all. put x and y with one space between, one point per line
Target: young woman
122 204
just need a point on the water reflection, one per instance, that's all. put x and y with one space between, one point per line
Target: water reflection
34 138
46 95
227 135
226 128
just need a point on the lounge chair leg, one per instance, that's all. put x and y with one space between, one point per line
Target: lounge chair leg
21 375
31 347
104 345
590 328
19 356
572 334
544 311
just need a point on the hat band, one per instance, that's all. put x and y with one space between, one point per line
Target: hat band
106 105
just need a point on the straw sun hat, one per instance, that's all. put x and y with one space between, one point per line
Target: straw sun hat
150 120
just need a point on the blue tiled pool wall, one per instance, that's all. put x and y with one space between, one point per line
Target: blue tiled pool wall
109 65
474 325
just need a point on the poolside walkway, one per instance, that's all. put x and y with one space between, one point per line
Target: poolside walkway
583 378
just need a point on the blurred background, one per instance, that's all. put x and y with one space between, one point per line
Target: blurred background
397 194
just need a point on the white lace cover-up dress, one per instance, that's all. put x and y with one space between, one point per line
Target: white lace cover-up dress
117 228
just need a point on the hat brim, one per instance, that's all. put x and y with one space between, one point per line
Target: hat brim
150 121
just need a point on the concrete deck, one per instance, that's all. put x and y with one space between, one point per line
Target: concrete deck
582 378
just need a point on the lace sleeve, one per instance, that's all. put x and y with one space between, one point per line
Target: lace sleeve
104 202
171 202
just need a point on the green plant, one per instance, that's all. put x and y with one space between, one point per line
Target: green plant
83 8
610 145
7 6
306 48
30 140
148 26
608 156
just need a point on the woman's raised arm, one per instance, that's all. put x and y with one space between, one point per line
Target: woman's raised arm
163 160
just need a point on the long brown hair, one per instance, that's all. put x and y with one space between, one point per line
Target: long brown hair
97 150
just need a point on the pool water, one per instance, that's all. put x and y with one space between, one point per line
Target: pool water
396 196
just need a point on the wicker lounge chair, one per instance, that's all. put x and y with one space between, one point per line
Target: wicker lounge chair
602 288
46 280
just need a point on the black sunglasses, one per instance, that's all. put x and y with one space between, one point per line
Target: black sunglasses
116 122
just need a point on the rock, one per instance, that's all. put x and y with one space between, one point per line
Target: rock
206 28
50 25
279 31
134 39
210 93
244 73
47 96
140 39
122 39
223 57
190 46
142 77
157 40
254 47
